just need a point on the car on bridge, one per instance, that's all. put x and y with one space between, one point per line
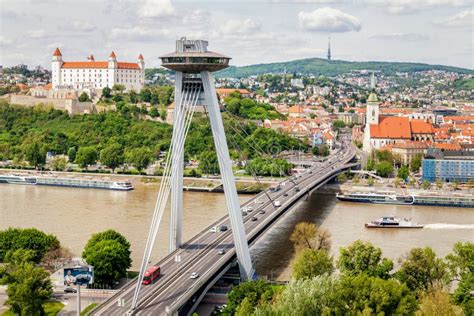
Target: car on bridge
194 275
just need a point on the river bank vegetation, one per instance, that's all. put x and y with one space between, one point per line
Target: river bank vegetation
123 140
362 282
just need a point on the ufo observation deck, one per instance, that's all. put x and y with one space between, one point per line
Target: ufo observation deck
192 56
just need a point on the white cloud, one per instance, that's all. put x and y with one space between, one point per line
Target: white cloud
413 6
83 26
38 34
5 41
156 8
328 20
138 33
462 19
410 37
240 27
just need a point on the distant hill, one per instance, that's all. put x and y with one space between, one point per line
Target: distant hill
322 67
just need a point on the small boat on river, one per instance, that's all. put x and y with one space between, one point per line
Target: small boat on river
393 222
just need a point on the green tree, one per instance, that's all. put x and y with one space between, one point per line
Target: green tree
120 88
253 291
370 181
403 173
29 286
140 158
384 169
461 267
38 242
133 97
109 253
154 112
416 162
425 184
365 295
58 163
307 235
439 184
208 163
437 302
422 270
163 113
84 97
311 262
303 297
34 154
106 92
71 153
338 124
245 308
364 258
315 150
86 156
324 150
112 156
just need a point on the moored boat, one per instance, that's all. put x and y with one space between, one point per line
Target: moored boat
17 179
393 222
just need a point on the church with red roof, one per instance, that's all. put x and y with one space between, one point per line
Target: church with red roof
92 74
381 131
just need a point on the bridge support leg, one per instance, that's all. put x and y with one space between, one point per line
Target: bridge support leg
176 217
228 181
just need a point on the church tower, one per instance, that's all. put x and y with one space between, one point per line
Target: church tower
371 118
56 64
372 115
141 62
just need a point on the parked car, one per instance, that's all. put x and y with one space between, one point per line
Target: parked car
69 290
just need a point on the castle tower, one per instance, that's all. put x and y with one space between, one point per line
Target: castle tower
56 64
329 48
112 65
141 62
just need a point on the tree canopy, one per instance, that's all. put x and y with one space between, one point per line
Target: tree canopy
109 253
364 258
38 242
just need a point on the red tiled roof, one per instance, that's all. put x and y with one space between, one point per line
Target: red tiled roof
391 127
125 65
97 65
421 127
85 64
448 147
57 52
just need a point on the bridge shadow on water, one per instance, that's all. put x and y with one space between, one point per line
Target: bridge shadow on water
274 251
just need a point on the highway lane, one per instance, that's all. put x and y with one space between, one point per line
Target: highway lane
201 253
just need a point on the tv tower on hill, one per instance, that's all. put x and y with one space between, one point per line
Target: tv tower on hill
329 48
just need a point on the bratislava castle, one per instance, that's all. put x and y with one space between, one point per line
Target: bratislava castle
94 74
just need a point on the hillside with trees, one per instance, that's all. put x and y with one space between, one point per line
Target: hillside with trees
323 67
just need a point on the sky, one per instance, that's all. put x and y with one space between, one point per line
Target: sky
251 32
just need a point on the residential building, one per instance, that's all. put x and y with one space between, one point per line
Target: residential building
409 149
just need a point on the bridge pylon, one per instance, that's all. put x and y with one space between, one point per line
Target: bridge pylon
194 85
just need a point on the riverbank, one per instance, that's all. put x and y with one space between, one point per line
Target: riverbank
245 185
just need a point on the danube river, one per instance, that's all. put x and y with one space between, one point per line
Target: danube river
73 215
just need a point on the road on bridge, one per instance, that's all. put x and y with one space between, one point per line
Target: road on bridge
201 254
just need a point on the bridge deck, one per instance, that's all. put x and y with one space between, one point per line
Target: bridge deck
200 254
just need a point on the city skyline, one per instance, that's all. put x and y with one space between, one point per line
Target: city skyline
434 32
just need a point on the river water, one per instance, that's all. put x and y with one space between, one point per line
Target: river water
73 215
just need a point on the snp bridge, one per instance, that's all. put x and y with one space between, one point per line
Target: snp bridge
175 293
